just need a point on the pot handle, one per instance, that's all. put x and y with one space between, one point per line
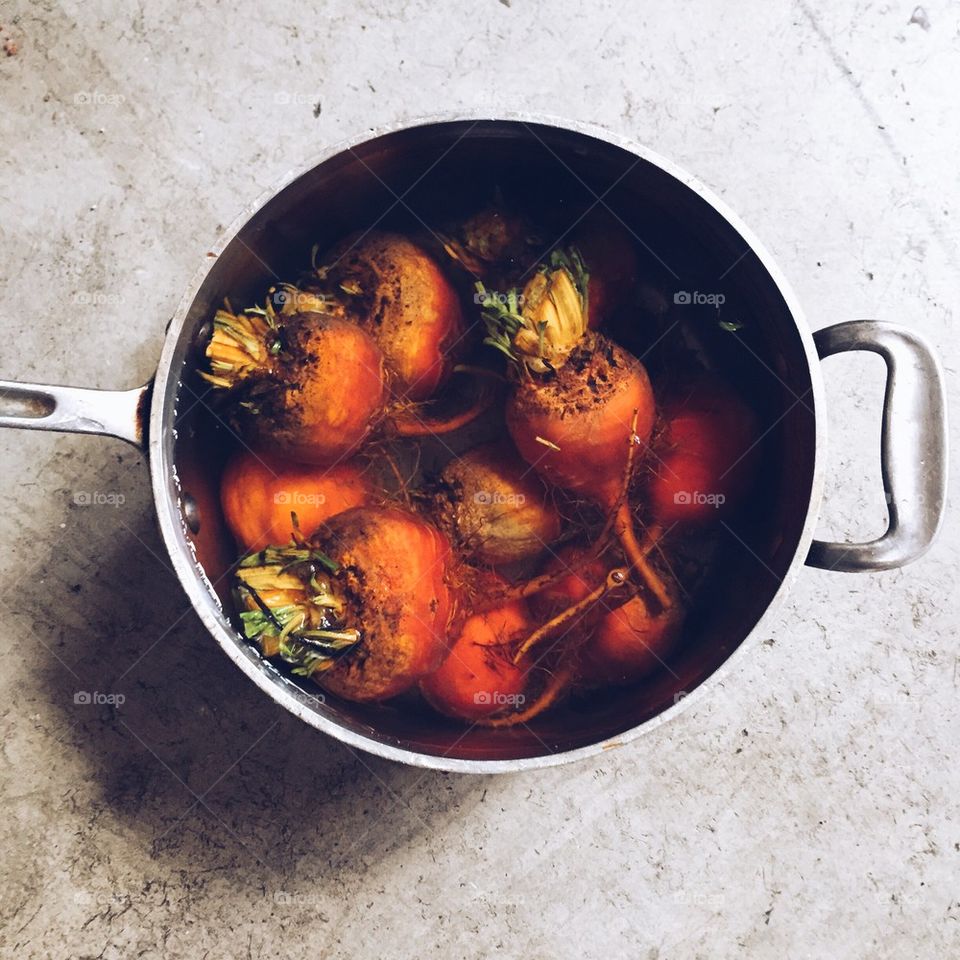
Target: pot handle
913 446
112 413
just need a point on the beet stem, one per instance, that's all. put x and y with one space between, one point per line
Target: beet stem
637 555
615 579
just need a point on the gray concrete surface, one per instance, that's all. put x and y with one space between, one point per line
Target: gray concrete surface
809 809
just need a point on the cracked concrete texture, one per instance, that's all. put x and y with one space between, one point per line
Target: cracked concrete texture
807 809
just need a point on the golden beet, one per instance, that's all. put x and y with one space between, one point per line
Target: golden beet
574 426
494 507
310 386
258 493
396 292
365 606
395 578
479 678
629 642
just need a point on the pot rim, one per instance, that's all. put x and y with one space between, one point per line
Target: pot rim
162 467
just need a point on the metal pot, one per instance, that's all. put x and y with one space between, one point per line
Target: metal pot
692 239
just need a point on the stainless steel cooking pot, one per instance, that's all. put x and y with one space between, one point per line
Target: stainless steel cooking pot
695 247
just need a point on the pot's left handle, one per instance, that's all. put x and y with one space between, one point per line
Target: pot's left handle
112 413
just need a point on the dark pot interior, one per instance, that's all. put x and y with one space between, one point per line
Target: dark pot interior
438 171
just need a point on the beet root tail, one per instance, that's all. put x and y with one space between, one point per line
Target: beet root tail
555 687
637 555
409 423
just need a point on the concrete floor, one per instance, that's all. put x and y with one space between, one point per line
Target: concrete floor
808 809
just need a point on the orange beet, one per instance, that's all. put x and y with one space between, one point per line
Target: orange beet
331 391
396 571
398 294
365 606
628 643
494 507
491 241
258 492
611 260
708 456
584 412
309 386
478 677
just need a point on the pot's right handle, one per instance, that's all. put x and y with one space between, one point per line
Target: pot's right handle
913 446
113 413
